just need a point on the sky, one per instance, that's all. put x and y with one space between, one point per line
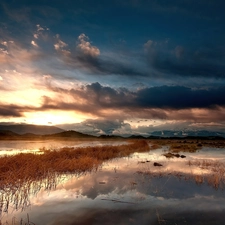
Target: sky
113 67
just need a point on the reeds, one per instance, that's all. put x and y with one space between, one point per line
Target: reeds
216 176
25 167
190 147
18 173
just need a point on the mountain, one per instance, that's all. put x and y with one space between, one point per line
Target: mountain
69 134
187 133
28 131
29 128
136 137
104 136
8 134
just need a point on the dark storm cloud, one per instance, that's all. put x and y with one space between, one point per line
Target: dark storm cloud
191 68
176 97
180 97
165 102
186 61
164 97
155 102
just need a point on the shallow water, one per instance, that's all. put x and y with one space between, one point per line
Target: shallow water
14 147
132 190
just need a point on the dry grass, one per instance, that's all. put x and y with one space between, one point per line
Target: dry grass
24 174
216 177
192 143
176 147
20 168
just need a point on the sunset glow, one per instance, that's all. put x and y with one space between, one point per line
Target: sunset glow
53 118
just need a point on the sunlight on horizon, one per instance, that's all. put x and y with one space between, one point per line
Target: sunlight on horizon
53 118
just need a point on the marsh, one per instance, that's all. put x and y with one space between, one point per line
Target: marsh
123 189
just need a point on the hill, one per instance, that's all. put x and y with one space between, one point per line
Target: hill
32 129
6 134
69 134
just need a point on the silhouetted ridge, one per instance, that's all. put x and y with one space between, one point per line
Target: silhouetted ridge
103 136
70 134
136 137
8 133
30 128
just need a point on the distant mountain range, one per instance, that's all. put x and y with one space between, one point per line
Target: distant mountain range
23 131
188 133
69 134
32 129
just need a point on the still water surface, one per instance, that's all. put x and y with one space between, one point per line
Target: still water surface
132 190
14 147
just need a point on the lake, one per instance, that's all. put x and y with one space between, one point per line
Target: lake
129 190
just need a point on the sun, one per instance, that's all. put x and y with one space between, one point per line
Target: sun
53 118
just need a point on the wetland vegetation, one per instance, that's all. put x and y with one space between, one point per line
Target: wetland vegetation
122 174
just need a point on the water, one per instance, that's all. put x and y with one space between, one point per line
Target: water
14 147
132 190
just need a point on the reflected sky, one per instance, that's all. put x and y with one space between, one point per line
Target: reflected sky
13 147
132 190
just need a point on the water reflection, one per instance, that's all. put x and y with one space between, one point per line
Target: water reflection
132 190
15 147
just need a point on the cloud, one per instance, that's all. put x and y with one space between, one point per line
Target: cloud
111 106
41 32
59 45
10 111
199 62
85 46
165 102
39 28
176 97
119 127
3 51
87 58
100 126
179 97
18 58
34 43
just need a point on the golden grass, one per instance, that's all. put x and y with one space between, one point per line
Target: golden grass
216 177
21 168
190 147
176 146
192 143
24 174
